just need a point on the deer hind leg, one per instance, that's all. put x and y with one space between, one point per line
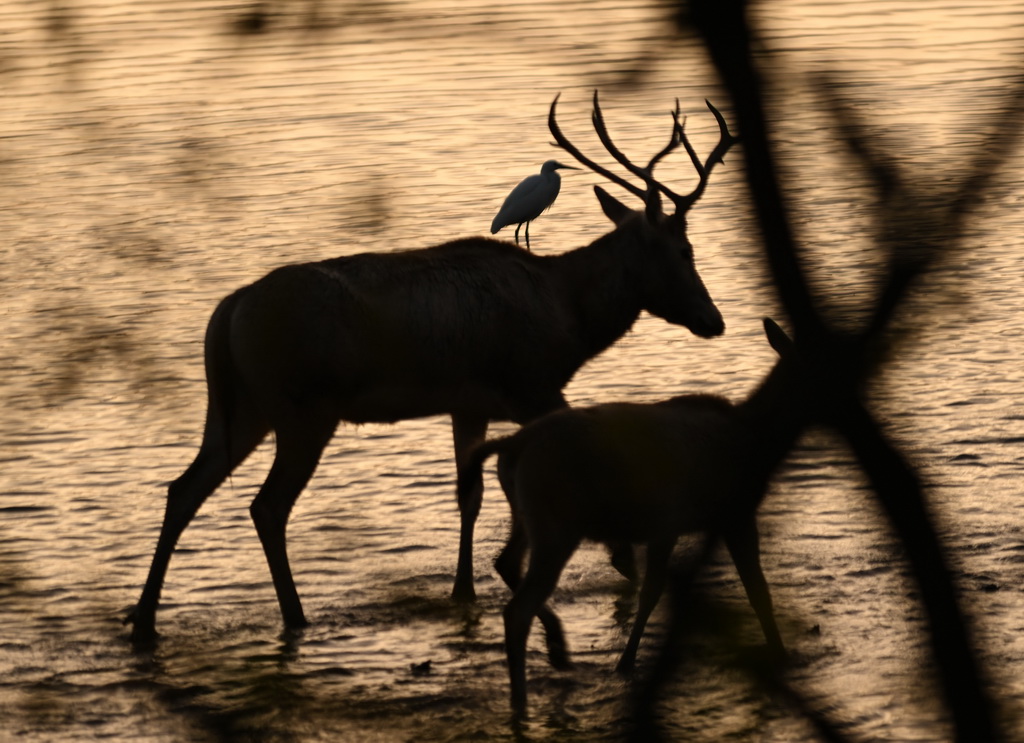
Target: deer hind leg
743 544
509 565
658 555
546 564
214 462
467 432
299 446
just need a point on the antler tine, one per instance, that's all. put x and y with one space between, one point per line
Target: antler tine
725 141
684 202
678 137
689 149
566 145
597 117
677 131
647 174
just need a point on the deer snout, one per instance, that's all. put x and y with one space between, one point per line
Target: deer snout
708 323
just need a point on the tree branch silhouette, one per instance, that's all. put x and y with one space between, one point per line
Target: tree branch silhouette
847 361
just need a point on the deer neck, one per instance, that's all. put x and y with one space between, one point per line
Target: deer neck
600 299
771 420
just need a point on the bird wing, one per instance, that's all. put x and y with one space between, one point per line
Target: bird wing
526 202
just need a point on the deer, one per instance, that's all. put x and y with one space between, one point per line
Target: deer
643 473
476 329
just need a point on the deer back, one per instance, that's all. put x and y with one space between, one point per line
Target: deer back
475 326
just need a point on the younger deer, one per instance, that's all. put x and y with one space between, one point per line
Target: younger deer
639 473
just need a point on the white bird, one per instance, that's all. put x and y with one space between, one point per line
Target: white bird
529 199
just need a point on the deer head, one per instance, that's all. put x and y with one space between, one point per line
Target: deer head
661 253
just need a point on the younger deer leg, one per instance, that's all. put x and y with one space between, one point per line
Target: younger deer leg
299 446
743 544
546 563
467 432
658 555
509 565
185 495
509 562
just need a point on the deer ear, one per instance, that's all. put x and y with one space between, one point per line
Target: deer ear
614 209
777 337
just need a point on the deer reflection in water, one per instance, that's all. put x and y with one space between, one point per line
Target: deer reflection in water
477 329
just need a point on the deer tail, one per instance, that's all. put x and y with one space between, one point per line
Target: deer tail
472 469
220 373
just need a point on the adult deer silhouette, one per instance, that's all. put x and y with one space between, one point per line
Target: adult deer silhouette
477 329
642 473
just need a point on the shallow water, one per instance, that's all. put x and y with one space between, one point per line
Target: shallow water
153 158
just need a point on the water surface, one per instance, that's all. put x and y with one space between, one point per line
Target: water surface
153 158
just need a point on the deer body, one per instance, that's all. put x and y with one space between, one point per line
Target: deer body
476 329
401 329
618 469
643 473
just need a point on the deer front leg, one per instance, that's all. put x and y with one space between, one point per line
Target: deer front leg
743 544
467 432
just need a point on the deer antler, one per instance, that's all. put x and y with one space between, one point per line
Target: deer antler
677 137
646 174
566 145
725 141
